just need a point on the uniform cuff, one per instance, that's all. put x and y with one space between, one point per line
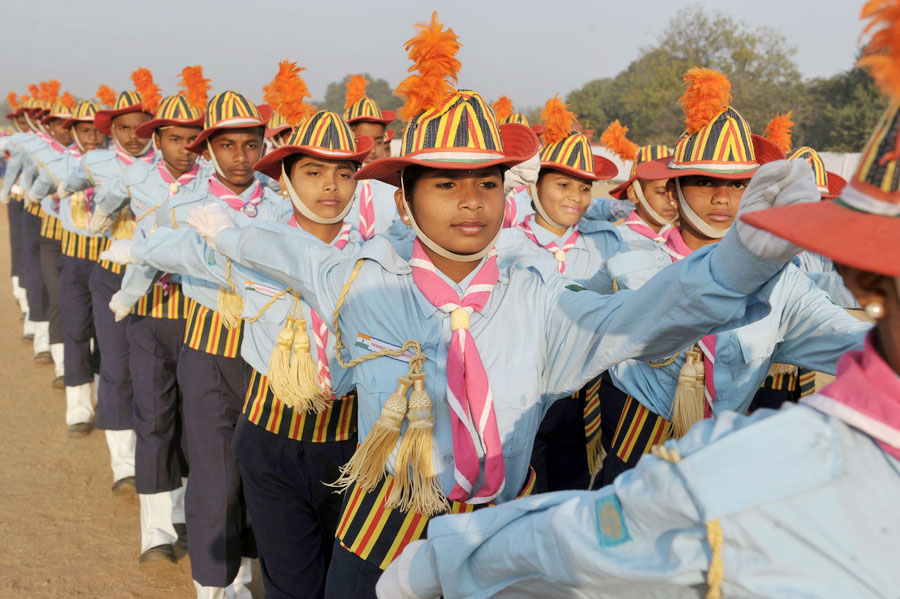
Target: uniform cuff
423 576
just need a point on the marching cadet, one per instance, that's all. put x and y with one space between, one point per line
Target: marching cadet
518 198
294 433
654 211
156 327
444 323
212 376
373 207
735 508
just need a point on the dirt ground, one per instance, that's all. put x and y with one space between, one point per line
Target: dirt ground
63 534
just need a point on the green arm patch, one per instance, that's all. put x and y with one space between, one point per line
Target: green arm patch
611 528
574 287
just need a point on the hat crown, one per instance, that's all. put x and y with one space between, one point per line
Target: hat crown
462 123
574 152
365 107
875 186
60 110
231 107
815 161
514 117
85 110
128 99
648 153
724 144
325 131
278 120
177 108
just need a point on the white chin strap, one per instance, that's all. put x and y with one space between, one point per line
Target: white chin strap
654 215
306 210
540 209
215 163
77 141
16 126
698 223
31 123
143 151
443 252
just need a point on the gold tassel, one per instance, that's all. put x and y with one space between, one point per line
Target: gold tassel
229 304
595 455
125 225
303 372
78 210
366 467
280 366
687 406
416 485
776 369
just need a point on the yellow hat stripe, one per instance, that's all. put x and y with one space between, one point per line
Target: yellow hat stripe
127 99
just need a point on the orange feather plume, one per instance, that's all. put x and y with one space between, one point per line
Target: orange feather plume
433 52
50 91
557 120
106 96
356 90
35 91
67 100
194 86
23 98
147 88
778 131
287 91
615 137
503 107
13 100
882 56
708 93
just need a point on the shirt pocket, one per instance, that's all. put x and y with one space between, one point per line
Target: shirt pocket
517 405
757 345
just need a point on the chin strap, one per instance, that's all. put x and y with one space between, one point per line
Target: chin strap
215 163
654 215
540 208
77 141
695 221
303 208
31 123
442 252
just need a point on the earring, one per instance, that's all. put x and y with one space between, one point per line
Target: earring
405 219
875 309
284 192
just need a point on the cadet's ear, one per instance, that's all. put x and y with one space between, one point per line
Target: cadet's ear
629 192
401 205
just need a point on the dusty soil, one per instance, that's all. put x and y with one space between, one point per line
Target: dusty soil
63 534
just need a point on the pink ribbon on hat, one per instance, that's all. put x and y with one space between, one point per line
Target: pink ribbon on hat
473 420
558 251
366 211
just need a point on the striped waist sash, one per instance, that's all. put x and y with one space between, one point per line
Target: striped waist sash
206 332
637 431
110 266
377 534
34 210
51 227
262 408
163 301
81 246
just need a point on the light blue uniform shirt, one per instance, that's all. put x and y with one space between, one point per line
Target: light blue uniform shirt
822 272
52 167
804 328
29 166
13 145
538 338
382 202
807 507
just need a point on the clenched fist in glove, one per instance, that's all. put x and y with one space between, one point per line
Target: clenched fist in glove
119 252
208 220
524 173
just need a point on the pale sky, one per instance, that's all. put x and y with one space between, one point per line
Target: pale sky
526 49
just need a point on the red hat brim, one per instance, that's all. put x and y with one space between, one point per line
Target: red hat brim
272 132
68 123
858 239
603 169
621 192
655 170
270 164
265 113
519 144
147 129
538 129
389 135
103 118
387 117
836 185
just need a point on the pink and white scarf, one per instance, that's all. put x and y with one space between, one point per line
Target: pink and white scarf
176 184
558 251
127 159
235 202
637 224
366 211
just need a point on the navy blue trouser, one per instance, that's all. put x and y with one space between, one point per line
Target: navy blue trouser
14 212
213 388
77 319
51 266
154 348
115 398
350 576
294 514
31 259
559 456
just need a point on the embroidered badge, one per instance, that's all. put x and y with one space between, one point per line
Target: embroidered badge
611 528
574 287
375 345
264 289
211 257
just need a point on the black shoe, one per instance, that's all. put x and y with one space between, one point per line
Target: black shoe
160 553
43 357
80 429
181 529
59 383
124 486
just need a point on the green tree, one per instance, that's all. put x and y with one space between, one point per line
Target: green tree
379 90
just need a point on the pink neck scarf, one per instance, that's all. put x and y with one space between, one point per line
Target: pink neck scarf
176 184
319 329
511 215
865 395
473 421
558 251
250 207
637 224
127 159
366 211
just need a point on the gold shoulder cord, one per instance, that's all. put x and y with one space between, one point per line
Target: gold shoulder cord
229 304
714 536
416 485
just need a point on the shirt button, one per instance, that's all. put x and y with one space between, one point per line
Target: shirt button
448 459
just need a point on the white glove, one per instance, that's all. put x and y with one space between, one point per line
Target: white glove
779 183
621 208
62 193
395 583
524 173
31 199
208 220
100 222
119 252
120 310
4 197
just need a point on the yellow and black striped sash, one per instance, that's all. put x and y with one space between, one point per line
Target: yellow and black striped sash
51 227
378 534
163 301
806 382
81 246
262 408
781 382
110 266
637 431
591 395
33 210
206 332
